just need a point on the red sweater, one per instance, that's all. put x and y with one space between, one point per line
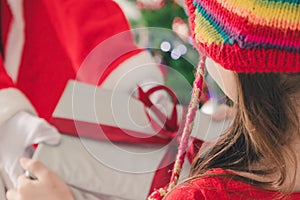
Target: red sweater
221 188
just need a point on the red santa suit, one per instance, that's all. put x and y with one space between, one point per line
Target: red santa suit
45 42
56 37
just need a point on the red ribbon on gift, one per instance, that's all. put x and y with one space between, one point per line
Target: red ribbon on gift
166 134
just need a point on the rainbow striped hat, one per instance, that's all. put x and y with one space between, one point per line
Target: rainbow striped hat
248 35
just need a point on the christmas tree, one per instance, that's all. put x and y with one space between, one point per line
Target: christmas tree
172 45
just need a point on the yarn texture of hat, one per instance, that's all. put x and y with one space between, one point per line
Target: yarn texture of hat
249 35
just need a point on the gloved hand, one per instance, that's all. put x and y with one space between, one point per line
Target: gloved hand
2 187
17 135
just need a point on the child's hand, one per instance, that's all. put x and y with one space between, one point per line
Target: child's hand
48 185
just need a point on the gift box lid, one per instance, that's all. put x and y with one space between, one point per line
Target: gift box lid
105 168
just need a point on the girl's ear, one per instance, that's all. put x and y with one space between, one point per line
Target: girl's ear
224 78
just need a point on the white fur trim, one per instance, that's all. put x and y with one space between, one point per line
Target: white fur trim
11 102
140 69
16 39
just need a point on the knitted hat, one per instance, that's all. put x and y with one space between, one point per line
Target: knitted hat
248 35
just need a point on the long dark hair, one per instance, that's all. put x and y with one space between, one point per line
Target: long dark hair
265 124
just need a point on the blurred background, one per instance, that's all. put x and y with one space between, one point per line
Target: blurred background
171 47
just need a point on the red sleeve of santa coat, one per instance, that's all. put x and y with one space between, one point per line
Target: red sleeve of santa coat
82 25
5 80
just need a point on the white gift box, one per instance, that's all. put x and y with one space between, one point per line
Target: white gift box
104 169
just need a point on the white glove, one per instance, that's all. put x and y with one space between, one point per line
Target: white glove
17 135
2 188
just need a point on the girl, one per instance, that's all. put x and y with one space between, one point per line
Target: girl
253 53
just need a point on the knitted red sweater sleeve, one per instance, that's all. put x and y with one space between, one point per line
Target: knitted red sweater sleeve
185 193
221 188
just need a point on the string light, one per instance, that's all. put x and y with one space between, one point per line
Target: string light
165 46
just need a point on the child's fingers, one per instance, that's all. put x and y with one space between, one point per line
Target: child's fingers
12 194
35 167
23 180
